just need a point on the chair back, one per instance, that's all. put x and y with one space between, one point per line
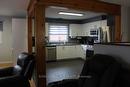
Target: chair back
26 62
94 68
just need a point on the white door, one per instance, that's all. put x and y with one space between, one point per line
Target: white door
19 37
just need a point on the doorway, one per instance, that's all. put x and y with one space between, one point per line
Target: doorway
68 34
37 8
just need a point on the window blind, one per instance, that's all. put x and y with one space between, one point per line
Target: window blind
58 33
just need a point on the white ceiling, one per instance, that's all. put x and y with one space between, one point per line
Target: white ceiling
17 8
14 8
53 13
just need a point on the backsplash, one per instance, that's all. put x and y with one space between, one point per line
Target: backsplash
70 40
74 40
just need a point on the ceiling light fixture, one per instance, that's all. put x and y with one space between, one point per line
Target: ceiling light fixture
56 7
70 13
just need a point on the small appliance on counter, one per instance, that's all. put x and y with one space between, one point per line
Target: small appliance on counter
89 51
86 40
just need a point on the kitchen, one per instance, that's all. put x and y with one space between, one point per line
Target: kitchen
78 30
68 38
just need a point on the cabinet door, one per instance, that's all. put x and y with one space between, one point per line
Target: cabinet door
75 30
66 52
70 50
75 51
62 52
80 52
59 52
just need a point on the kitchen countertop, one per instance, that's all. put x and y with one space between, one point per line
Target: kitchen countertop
66 44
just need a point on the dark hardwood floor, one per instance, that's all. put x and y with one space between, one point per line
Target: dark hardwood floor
67 69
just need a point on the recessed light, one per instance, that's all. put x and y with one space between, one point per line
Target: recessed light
71 14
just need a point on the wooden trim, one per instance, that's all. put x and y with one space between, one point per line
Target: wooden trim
117 28
30 34
89 5
31 6
40 45
86 5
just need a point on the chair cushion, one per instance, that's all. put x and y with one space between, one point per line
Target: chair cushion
123 79
99 63
96 65
109 77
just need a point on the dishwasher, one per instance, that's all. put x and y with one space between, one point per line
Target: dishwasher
51 53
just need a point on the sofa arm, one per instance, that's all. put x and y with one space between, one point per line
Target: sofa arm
6 71
14 81
65 83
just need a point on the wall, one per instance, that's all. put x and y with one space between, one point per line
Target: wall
19 37
128 22
120 52
6 45
125 24
14 36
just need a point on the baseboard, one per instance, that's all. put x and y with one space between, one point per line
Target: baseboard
6 64
78 58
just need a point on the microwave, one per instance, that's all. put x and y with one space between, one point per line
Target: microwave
94 32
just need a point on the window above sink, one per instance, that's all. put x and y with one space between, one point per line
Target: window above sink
58 32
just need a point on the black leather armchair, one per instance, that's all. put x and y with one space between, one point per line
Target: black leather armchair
18 75
98 71
123 79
